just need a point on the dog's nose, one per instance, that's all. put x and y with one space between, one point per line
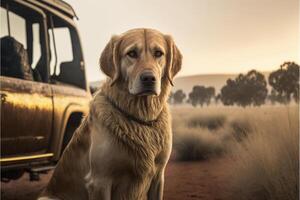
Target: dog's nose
147 78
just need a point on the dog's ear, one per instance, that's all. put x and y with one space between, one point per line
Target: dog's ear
174 59
110 59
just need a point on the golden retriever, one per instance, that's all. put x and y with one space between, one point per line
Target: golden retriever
121 149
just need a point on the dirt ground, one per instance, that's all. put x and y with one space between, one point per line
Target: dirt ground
196 180
184 181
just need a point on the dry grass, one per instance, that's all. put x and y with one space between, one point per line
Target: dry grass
192 146
240 128
266 165
212 122
197 136
200 134
263 142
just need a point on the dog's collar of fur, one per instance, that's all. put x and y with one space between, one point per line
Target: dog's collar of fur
131 117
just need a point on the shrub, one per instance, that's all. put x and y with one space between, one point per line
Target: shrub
240 128
194 145
212 122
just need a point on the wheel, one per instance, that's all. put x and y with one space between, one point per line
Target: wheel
11 175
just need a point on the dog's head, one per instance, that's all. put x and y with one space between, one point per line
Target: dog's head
142 59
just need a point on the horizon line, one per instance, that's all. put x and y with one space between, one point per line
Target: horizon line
206 74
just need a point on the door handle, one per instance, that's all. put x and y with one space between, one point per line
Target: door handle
3 97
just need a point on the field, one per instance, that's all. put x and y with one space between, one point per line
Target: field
258 147
221 153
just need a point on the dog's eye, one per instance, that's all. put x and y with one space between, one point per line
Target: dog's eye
158 53
132 54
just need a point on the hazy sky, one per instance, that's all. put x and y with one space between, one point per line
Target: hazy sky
214 36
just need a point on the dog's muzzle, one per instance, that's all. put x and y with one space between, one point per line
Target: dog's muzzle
148 83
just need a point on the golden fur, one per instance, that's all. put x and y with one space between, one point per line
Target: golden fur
111 156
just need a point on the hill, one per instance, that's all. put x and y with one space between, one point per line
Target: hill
186 83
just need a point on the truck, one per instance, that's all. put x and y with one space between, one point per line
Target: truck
43 85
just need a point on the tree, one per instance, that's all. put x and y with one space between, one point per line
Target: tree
210 92
228 93
201 95
249 89
178 97
218 98
197 95
285 82
170 99
276 97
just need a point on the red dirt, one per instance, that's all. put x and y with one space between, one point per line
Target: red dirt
184 181
196 180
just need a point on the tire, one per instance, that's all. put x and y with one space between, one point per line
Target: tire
11 175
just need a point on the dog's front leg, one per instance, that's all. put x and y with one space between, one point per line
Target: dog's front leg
99 189
157 186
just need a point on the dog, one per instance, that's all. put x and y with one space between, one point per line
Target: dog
122 146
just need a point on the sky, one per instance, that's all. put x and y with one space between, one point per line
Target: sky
214 36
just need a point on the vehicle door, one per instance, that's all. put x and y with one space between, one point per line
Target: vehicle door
26 97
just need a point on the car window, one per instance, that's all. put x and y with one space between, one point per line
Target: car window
3 25
66 64
21 49
17 27
64 52
36 52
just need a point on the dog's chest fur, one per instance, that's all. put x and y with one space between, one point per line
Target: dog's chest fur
142 143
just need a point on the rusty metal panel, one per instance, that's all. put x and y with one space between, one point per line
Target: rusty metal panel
26 116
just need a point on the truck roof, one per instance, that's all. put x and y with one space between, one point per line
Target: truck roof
59 5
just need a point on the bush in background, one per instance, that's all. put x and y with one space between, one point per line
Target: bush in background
190 145
240 128
211 122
